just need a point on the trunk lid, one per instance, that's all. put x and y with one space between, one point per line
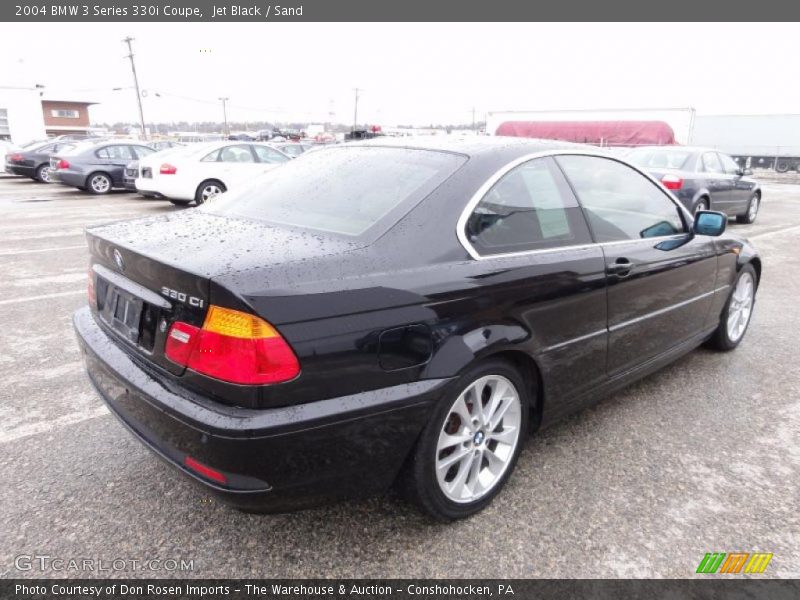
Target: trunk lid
155 271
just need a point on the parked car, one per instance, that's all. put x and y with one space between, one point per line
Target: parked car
400 312
702 179
201 172
34 162
129 175
96 168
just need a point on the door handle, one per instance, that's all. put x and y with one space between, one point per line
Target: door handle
621 267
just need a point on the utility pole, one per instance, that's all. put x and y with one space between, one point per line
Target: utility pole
225 116
355 112
473 119
128 41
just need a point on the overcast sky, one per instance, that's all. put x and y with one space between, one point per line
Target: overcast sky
410 73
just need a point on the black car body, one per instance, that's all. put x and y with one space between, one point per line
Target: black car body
385 275
96 168
34 161
702 179
129 175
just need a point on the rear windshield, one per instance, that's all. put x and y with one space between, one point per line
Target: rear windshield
344 190
657 158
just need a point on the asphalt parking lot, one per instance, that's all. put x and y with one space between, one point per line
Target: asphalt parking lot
701 457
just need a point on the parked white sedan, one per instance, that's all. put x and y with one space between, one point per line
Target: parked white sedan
198 172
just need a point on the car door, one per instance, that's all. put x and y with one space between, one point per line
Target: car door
742 187
113 159
537 265
720 183
237 163
660 276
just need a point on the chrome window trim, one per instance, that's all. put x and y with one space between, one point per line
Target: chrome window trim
461 225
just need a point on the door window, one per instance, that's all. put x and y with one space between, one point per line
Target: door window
729 164
529 208
620 203
236 154
269 155
115 153
711 163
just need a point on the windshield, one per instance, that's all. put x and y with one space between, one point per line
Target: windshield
346 190
659 158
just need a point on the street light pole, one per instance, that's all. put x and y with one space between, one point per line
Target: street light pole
128 41
355 111
225 116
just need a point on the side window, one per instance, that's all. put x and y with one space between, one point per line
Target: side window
729 164
102 153
531 207
48 149
620 203
236 154
142 151
269 155
711 163
115 153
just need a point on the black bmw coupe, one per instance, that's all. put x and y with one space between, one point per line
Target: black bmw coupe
406 313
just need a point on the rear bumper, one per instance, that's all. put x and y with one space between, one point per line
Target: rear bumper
20 170
165 187
70 178
273 459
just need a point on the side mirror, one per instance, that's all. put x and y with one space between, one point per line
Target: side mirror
709 222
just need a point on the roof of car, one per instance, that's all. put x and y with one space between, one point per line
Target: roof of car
472 145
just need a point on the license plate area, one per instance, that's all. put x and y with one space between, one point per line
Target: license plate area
120 310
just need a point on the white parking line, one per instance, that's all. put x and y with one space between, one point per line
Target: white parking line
772 233
37 250
41 297
23 431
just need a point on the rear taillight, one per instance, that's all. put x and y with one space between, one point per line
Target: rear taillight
16 158
90 290
233 346
62 164
168 169
672 182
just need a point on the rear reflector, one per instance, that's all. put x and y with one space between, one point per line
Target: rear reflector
204 470
168 169
672 182
233 346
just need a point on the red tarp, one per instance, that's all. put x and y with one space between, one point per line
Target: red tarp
607 133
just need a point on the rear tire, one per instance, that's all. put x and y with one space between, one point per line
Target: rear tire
752 211
99 183
702 204
466 453
43 174
738 310
207 190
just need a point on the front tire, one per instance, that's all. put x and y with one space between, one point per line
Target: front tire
98 183
737 312
470 446
207 190
752 211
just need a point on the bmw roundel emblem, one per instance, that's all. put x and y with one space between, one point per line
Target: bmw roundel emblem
118 260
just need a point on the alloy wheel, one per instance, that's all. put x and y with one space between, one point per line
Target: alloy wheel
741 306
478 439
100 184
44 173
210 191
753 211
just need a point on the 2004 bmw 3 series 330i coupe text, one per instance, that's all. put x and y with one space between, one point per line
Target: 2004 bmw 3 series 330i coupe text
382 313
